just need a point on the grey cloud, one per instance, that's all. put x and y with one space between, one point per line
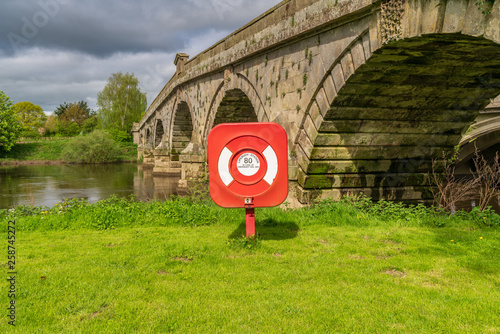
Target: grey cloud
49 78
67 49
104 27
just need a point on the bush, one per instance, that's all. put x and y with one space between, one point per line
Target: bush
31 134
66 129
97 147
120 136
89 125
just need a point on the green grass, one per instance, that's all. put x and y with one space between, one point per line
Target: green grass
184 266
40 150
129 152
51 150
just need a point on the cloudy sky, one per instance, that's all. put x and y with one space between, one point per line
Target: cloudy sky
55 51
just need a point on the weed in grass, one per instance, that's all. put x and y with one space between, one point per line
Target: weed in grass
484 218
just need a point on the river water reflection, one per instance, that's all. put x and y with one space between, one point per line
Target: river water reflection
48 184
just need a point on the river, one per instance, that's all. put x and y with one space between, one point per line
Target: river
45 185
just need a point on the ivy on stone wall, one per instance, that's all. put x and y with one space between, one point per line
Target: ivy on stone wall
485 6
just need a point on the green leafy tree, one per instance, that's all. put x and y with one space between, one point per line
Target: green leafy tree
10 128
51 125
82 104
121 102
61 109
30 115
75 113
90 124
67 129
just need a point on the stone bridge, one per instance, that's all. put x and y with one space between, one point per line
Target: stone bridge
368 92
483 135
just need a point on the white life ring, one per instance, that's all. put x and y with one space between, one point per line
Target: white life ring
269 155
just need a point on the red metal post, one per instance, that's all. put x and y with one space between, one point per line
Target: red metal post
250 219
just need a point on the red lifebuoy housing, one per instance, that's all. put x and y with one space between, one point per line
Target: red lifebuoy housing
248 163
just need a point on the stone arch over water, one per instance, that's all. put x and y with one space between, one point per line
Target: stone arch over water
235 107
182 128
148 138
159 131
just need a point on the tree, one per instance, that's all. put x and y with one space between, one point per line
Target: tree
10 129
51 125
90 124
121 102
75 113
30 115
82 104
67 129
61 109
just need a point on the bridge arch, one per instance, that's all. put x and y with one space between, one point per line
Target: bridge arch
482 136
230 106
158 134
235 107
376 122
244 93
181 128
148 142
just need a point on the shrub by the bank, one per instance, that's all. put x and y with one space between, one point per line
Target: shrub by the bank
97 147
119 135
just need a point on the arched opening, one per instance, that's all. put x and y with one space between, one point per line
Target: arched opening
235 107
404 107
159 131
148 137
182 131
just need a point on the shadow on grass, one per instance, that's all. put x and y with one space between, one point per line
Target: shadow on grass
269 229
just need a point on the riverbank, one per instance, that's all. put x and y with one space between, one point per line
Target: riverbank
50 152
184 266
7 162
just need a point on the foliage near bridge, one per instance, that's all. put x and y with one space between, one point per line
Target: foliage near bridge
183 266
121 102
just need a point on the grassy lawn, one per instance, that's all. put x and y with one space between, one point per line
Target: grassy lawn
40 150
186 267
51 150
